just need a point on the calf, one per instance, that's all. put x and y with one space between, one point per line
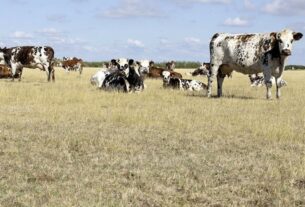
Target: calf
74 64
28 56
251 54
182 84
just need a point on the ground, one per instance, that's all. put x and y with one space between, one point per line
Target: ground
69 144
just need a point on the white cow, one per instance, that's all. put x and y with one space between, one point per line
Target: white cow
98 78
251 54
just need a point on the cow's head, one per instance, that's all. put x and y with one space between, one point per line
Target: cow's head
285 39
170 65
144 66
122 63
4 55
166 76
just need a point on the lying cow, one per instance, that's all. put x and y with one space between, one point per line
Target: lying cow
156 72
28 56
5 72
73 64
130 79
204 70
181 84
251 54
257 80
98 78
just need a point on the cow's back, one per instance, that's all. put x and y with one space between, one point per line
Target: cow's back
242 52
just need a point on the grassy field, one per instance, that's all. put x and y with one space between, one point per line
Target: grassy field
69 144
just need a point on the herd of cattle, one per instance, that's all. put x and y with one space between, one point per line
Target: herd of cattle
250 54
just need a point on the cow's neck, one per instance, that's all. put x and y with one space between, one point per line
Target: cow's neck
283 60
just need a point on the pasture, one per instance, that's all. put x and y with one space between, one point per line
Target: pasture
69 144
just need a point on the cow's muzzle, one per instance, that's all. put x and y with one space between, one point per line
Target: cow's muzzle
286 52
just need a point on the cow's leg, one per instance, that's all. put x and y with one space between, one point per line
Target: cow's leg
19 72
47 69
52 72
278 86
268 81
211 77
14 69
267 75
80 69
220 79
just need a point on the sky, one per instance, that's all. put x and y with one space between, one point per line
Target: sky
159 30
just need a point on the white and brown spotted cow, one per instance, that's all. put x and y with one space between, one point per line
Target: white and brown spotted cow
251 54
28 56
74 64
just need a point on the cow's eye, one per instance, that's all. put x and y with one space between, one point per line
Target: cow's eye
280 41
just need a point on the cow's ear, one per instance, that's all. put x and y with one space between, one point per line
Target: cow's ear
114 62
151 63
130 62
297 35
138 63
273 35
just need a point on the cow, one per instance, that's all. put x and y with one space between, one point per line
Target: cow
5 72
204 70
251 54
170 65
114 66
257 80
144 66
128 79
28 56
181 84
156 72
73 64
99 77
67 58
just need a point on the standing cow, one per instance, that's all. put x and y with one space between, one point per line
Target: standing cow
251 54
28 56
73 64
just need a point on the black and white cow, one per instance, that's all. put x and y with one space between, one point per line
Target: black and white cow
251 54
126 79
29 56
181 84
113 66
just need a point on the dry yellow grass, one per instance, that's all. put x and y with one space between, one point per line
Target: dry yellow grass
69 144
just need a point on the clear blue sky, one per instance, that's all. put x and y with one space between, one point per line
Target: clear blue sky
153 29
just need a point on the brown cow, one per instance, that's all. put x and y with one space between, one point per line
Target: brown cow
74 64
6 72
170 65
156 72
